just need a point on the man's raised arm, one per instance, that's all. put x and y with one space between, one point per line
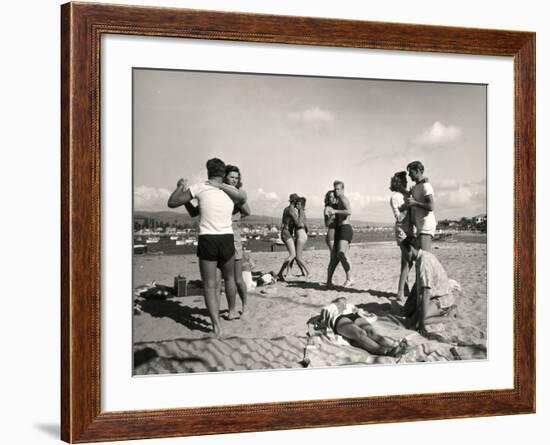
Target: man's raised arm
180 196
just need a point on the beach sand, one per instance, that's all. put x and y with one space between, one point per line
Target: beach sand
174 336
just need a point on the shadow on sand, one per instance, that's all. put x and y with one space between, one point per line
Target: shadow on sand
323 287
184 315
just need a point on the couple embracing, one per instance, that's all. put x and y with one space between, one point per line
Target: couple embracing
221 202
337 214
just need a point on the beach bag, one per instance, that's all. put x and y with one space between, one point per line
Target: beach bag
180 286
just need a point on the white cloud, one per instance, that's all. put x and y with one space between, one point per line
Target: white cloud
150 198
468 197
313 116
269 196
360 202
446 184
264 203
439 135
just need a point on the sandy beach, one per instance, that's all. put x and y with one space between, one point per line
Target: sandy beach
174 336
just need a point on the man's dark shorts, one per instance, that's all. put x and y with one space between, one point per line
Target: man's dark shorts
219 248
344 233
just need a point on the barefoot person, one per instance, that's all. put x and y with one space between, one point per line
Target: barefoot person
216 244
421 204
287 235
330 220
233 178
356 325
342 236
432 295
398 185
300 222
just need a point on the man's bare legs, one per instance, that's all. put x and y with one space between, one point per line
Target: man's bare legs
209 280
241 285
343 251
291 255
425 242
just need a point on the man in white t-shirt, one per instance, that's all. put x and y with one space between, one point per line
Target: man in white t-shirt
216 247
421 205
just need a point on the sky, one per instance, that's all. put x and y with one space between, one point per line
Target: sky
295 134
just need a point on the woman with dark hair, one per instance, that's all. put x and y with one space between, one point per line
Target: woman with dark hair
398 185
330 219
233 177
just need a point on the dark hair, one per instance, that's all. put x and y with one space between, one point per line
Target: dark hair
408 243
215 168
233 168
416 165
303 200
337 182
398 181
327 197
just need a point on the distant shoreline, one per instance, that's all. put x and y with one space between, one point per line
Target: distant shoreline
316 243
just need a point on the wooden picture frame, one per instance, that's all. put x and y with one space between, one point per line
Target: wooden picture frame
82 26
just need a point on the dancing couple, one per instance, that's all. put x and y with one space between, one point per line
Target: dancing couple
337 214
294 235
221 203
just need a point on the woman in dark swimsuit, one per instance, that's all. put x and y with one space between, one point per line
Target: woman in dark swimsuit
330 220
287 232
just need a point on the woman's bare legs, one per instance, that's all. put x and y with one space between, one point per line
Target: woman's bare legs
291 255
301 240
294 261
241 285
405 267
425 242
365 337
228 273
334 260
354 333
329 239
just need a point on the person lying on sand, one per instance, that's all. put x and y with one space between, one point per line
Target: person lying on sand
431 301
356 325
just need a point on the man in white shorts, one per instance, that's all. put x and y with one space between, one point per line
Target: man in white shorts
216 246
421 205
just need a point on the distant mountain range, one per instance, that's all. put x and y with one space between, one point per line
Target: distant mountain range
171 217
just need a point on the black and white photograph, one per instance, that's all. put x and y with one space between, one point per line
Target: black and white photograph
284 221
